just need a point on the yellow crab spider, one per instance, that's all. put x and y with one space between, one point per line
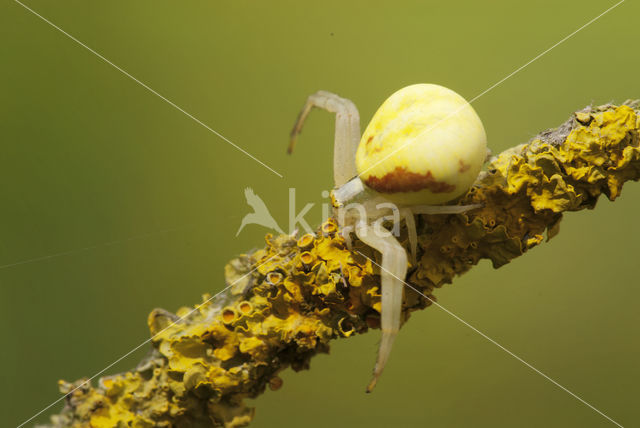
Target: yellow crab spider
424 146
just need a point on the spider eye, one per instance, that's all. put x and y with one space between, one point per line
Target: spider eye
424 145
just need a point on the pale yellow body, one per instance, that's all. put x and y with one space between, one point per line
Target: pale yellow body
424 145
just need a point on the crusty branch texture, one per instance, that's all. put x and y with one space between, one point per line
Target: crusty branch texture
287 301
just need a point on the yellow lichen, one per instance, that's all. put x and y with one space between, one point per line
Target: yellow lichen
287 301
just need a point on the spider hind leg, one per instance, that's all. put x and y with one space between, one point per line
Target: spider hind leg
408 213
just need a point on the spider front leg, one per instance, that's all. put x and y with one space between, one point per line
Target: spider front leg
347 135
392 274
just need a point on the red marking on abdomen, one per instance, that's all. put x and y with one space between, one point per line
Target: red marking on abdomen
401 180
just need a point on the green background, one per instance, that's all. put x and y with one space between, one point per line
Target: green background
124 204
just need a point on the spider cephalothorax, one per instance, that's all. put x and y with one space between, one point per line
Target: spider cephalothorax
424 147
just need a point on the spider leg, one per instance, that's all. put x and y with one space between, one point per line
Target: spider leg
408 215
346 234
393 272
443 209
410 221
347 134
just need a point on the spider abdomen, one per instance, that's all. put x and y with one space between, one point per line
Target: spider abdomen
424 145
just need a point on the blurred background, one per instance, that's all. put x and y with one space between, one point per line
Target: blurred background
115 203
